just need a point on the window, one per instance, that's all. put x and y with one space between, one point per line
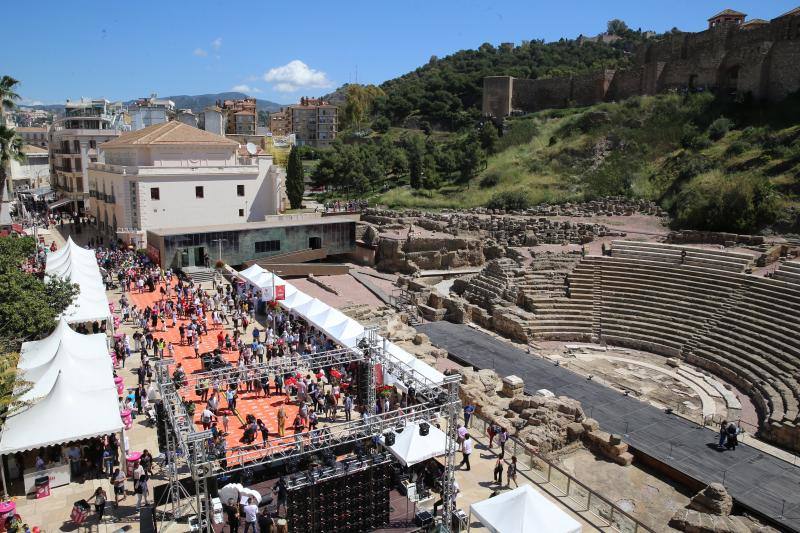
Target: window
267 246
241 212
155 193
198 192
92 144
240 190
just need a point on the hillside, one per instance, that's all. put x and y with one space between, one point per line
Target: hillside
447 91
713 164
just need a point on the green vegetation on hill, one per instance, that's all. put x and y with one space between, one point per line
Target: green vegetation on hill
447 92
714 165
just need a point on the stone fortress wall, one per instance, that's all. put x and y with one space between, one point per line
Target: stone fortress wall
753 59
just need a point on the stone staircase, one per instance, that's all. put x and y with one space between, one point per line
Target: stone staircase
200 274
597 304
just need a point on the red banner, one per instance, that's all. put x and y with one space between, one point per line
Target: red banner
280 292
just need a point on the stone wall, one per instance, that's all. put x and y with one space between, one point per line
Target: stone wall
760 60
713 237
411 255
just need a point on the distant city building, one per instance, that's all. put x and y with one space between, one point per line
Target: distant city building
279 123
727 16
33 136
73 142
187 116
241 116
33 172
27 117
213 120
313 121
147 112
173 175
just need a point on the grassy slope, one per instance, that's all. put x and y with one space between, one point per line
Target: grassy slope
645 154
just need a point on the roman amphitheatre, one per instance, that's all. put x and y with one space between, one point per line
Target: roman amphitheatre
646 339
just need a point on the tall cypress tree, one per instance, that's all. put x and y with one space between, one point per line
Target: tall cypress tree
295 179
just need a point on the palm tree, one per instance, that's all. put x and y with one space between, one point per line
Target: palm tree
10 150
8 97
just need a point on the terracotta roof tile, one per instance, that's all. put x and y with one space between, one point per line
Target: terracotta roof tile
30 150
728 13
169 133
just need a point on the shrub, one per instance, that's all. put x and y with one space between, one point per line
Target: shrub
719 128
521 132
737 148
692 139
381 124
489 180
510 201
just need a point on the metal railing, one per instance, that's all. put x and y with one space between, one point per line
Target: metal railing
563 485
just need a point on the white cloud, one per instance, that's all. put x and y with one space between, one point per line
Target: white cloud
29 102
199 52
216 44
244 88
296 75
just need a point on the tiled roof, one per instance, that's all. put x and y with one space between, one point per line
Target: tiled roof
755 22
26 129
793 12
169 133
728 13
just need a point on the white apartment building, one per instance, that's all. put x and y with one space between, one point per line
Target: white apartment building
73 144
173 175
34 172
150 111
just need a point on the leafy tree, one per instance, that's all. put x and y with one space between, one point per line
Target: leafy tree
358 104
489 137
295 179
616 27
8 95
10 150
381 124
472 159
29 305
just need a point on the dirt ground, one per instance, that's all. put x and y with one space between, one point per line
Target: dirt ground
633 488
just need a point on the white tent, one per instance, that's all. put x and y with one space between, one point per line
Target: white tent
523 510
68 413
73 392
342 329
411 448
79 266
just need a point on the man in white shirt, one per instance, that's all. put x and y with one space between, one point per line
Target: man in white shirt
466 450
250 515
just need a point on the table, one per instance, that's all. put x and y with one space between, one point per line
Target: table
58 473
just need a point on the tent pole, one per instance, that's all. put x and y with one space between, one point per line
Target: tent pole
124 460
3 475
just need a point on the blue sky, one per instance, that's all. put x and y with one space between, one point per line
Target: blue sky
282 50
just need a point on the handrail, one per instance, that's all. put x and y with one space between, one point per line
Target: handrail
616 519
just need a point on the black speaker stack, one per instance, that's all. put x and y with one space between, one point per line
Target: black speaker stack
348 496
161 417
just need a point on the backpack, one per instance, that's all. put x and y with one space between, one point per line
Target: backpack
731 430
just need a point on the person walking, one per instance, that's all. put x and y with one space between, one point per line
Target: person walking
502 438
723 434
733 436
100 499
466 450
282 490
498 470
512 472
142 491
118 481
469 410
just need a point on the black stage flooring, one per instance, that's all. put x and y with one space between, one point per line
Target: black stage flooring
759 482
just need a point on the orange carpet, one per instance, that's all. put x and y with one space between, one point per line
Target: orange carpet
246 403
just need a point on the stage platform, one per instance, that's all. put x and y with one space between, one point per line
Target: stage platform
763 484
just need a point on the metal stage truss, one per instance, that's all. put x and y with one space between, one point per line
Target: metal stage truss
190 446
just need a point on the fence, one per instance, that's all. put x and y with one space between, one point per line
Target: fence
563 485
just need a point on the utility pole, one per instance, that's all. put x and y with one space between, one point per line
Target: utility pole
219 247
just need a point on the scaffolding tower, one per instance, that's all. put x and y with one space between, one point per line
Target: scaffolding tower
434 401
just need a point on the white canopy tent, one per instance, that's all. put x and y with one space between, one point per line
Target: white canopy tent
79 266
523 510
338 326
411 448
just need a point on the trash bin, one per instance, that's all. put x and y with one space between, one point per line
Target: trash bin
80 512
42 485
